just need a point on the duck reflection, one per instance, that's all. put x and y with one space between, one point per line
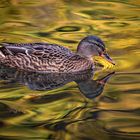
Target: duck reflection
42 82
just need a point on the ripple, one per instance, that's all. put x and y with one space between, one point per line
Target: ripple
117 24
49 98
43 34
68 29
65 113
126 78
7 112
99 14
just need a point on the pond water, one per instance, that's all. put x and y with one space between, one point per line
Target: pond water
48 107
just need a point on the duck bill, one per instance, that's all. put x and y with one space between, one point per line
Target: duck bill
107 57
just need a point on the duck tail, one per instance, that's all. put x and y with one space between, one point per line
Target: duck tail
2 55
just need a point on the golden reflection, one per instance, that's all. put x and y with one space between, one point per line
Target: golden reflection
65 113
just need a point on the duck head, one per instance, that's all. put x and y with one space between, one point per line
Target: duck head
93 46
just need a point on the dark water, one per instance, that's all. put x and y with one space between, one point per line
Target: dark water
66 107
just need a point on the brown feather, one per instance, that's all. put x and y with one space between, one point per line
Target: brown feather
42 57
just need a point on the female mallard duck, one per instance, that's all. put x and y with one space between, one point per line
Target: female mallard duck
45 57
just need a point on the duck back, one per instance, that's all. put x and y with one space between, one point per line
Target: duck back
42 57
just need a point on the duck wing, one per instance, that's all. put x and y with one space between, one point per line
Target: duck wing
36 49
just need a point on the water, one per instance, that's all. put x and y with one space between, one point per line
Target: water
34 107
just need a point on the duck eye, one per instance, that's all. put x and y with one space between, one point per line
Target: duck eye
100 53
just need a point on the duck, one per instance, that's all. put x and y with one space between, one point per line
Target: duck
53 58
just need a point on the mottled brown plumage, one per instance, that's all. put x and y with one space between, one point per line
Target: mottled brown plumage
44 57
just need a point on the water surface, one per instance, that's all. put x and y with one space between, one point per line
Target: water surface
65 112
